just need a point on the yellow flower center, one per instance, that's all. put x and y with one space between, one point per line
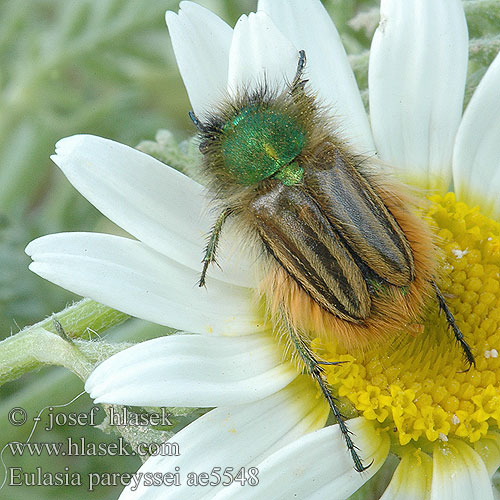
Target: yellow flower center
419 388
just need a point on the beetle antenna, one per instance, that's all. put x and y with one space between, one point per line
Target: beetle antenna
196 121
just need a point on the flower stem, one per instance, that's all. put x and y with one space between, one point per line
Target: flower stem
43 344
35 347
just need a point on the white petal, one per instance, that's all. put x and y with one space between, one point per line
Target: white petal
192 370
489 450
153 202
128 276
260 54
309 27
412 478
418 65
476 160
459 473
317 466
201 42
236 437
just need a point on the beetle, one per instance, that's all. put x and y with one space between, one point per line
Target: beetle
345 253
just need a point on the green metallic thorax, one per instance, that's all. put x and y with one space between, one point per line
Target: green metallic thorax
261 141
290 174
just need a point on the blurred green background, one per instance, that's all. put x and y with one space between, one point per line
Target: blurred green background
104 67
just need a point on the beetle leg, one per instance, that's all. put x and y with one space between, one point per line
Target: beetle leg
451 322
317 372
297 80
213 241
300 67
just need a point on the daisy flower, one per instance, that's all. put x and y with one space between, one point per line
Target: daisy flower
414 400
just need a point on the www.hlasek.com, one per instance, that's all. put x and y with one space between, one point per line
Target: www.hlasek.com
217 476
81 447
